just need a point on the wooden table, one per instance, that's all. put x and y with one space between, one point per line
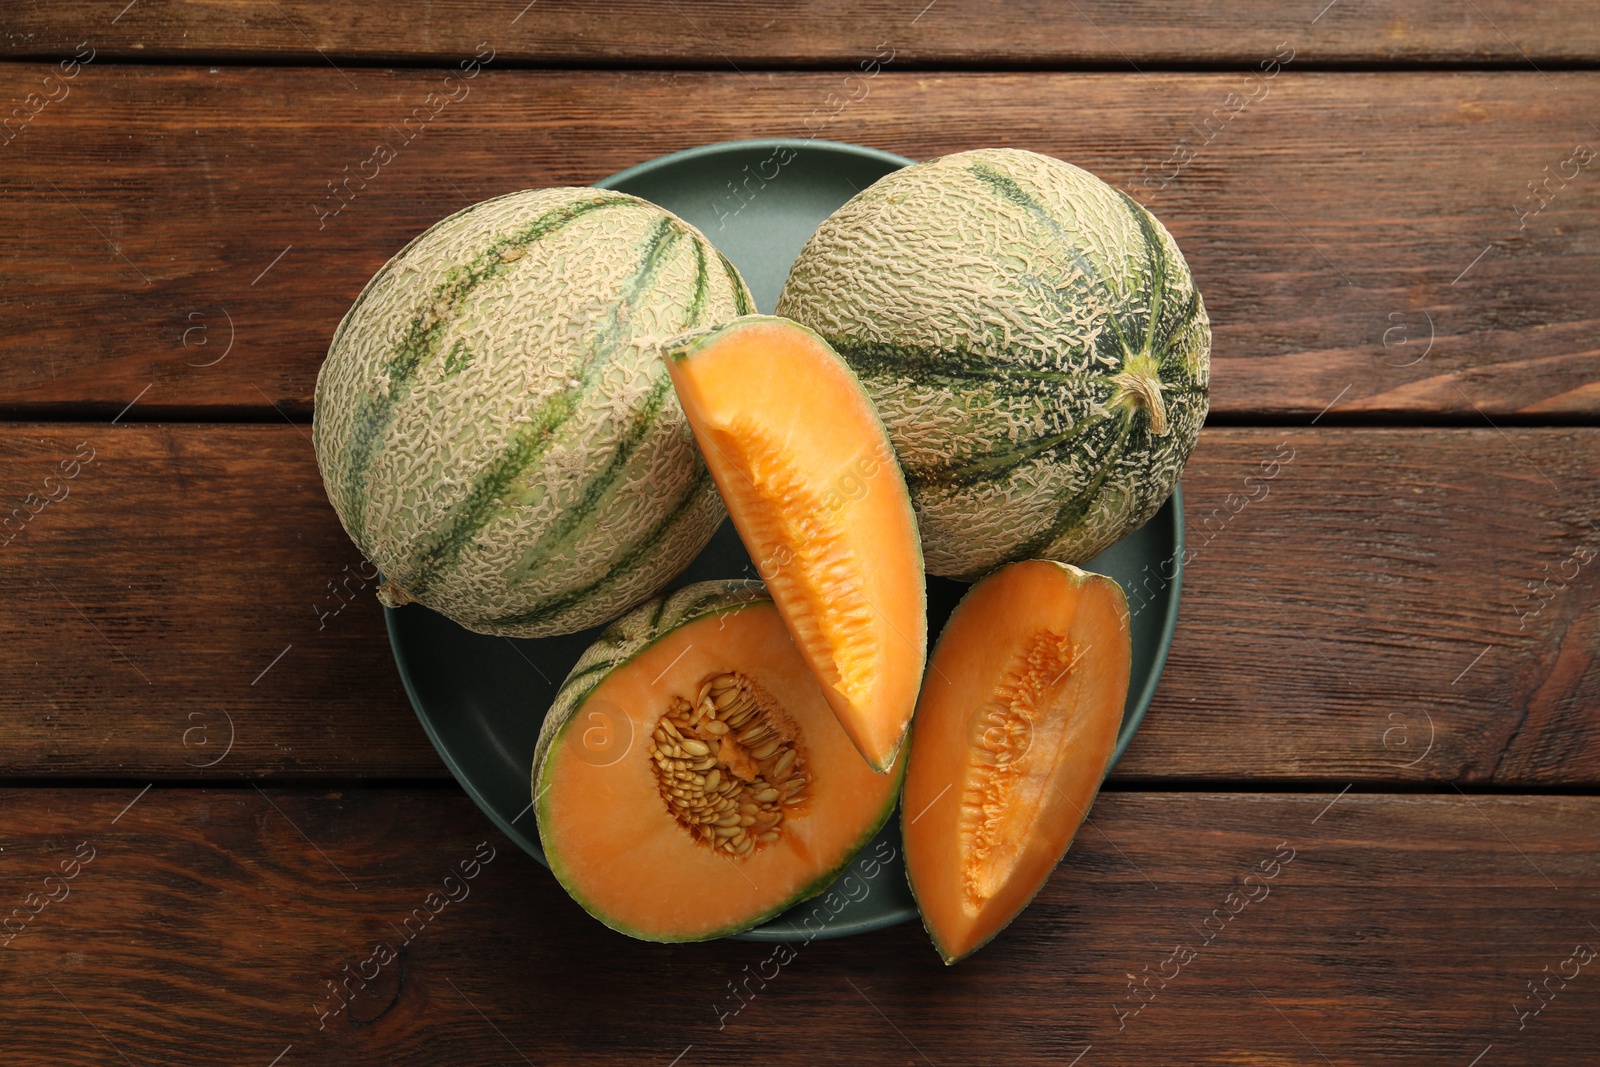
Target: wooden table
216 799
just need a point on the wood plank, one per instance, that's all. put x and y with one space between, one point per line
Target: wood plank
1395 930
714 33
1356 236
194 608
1357 606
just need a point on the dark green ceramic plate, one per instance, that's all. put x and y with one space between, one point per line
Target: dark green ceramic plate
481 698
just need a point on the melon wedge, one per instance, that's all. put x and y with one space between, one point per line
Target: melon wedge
691 780
810 480
1014 733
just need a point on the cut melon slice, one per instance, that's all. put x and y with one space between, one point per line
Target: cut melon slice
810 480
1014 732
691 780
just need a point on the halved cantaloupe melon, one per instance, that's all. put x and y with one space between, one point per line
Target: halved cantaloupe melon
1014 732
691 780
810 479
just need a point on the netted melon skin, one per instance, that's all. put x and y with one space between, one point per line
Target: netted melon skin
494 424
997 305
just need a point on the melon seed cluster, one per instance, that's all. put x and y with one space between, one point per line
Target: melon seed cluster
729 765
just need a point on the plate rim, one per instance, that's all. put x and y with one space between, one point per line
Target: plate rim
1132 719
718 148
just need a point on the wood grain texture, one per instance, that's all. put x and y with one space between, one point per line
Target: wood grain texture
1357 606
209 923
1357 236
191 588
717 33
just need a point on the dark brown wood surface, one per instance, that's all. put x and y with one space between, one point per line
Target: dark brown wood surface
1357 605
725 33
1357 236
209 924
1388 654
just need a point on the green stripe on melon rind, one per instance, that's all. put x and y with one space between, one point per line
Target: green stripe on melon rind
421 342
383 273
1172 332
973 468
743 303
1155 253
1160 337
482 503
530 442
702 283
1071 512
666 234
1009 190
617 569
574 515
1156 259
958 365
986 466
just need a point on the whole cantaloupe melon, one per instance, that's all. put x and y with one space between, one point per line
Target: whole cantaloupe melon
1031 337
495 426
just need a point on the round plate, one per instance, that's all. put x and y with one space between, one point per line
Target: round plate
481 699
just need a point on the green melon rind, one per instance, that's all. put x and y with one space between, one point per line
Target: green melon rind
618 646
509 451
987 299
684 347
1079 577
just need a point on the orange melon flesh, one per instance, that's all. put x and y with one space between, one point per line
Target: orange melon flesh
810 480
1014 732
615 845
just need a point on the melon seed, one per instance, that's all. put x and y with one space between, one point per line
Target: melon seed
707 757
